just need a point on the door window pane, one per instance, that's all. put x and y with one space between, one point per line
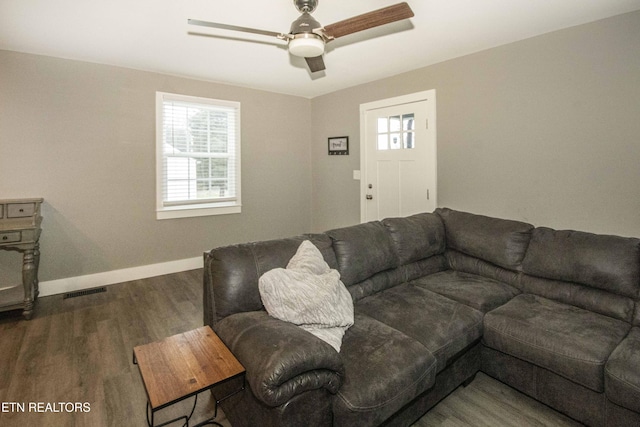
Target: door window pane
394 123
383 126
408 122
395 141
408 140
396 132
383 142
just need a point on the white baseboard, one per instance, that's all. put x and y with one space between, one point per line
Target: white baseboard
71 284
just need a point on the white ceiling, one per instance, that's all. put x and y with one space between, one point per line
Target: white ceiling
153 35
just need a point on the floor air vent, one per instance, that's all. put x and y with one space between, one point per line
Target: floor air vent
84 292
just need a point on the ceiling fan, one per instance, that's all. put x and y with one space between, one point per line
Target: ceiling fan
307 37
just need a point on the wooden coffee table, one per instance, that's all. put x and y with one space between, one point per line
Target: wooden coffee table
182 366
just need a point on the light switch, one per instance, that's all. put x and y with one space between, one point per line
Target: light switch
356 175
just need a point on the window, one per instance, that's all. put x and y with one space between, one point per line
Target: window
396 132
198 156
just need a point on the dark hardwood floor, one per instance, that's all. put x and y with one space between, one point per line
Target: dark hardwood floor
80 350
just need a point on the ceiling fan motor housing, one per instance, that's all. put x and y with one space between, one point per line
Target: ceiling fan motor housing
304 24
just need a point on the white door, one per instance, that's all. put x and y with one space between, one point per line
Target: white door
399 171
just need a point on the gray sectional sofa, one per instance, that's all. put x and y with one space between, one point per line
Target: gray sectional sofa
437 298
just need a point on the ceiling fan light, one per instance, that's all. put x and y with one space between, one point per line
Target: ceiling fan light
306 45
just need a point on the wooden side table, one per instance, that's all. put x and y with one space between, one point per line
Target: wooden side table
182 366
20 221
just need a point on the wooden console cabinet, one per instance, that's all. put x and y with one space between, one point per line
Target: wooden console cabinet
20 222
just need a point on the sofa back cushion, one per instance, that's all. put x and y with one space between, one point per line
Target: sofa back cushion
610 263
362 250
404 273
467 264
231 273
579 295
499 241
416 237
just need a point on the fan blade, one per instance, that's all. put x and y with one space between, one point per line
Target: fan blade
234 28
315 64
365 21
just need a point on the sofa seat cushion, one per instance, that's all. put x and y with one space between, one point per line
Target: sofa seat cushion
442 325
479 292
622 372
384 370
570 341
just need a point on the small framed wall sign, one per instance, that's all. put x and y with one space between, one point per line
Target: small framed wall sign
339 146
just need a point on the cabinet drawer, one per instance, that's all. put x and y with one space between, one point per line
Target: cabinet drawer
19 210
10 237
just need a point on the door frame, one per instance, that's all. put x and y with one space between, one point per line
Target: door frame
427 95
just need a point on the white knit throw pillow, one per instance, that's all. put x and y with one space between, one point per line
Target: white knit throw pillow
308 293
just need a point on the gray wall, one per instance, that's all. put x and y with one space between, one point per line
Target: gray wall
82 136
545 130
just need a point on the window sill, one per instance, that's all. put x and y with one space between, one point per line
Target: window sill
189 211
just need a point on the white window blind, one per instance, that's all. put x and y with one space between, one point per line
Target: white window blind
198 155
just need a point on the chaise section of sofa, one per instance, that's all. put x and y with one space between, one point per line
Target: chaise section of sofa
289 371
384 371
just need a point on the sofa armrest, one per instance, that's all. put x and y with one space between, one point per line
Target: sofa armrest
281 359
